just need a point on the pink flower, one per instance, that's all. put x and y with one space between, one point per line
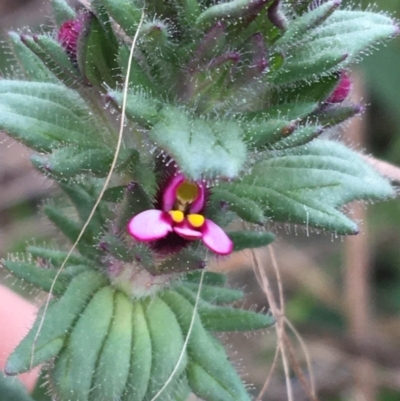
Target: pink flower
69 33
342 89
181 217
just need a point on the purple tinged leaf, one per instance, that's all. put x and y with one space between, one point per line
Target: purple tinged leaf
276 16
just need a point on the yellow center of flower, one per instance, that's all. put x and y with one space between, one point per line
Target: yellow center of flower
196 220
186 193
177 215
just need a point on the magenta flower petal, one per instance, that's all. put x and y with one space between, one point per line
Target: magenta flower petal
150 225
215 238
187 232
169 195
198 204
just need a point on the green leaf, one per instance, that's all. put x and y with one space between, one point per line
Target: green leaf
210 278
201 148
234 319
106 22
68 162
332 45
56 258
62 11
55 58
60 316
298 137
71 229
113 364
205 385
167 341
214 294
42 277
114 194
141 354
140 108
135 201
250 239
204 351
353 31
306 91
187 11
13 390
45 116
302 25
126 13
97 54
30 63
84 202
307 184
75 366
243 206
332 115
309 63
226 10
137 77
285 111
263 128
226 318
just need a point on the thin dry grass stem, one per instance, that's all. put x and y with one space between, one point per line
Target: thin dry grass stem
278 280
306 355
277 313
271 371
106 182
284 342
308 388
298 370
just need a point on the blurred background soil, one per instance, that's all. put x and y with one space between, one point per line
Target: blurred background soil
342 294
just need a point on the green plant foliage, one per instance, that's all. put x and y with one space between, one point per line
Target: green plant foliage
13 390
45 116
211 148
92 315
225 102
96 53
250 239
307 184
28 61
54 57
69 162
42 278
59 319
62 11
331 46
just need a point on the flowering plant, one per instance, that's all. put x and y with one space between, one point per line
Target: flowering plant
225 105
182 203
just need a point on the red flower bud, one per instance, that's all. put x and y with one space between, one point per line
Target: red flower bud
342 90
69 33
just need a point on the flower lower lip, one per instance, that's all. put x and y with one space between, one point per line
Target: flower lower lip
188 233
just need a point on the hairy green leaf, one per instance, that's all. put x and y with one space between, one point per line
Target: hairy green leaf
45 116
31 65
332 45
201 148
307 184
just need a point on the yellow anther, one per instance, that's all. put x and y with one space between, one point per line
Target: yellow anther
196 220
177 216
187 192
